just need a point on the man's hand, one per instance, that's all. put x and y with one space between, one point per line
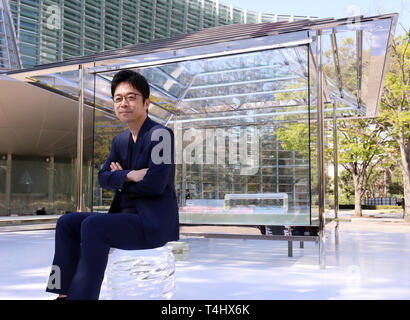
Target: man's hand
134 175
115 166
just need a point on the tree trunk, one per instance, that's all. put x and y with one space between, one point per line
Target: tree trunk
357 197
387 182
406 191
405 160
357 204
406 182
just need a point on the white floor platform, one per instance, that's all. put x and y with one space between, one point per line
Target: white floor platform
366 264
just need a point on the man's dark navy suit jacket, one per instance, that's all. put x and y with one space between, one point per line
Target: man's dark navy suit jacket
154 196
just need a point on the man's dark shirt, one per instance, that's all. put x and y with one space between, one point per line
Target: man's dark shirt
128 201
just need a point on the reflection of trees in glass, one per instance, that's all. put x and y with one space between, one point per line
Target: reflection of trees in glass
296 136
103 135
165 105
293 129
299 97
293 139
347 54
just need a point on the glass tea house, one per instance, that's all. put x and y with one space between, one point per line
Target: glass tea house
250 105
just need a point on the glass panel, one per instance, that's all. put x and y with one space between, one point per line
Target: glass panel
106 127
354 56
313 135
28 184
4 203
40 183
43 169
88 140
233 119
244 123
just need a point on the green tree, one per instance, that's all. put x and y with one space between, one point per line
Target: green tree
359 154
394 118
362 142
346 187
295 137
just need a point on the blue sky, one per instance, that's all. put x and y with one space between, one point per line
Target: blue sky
329 8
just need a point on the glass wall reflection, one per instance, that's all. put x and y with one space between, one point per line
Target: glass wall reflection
38 176
241 125
4 196
245 123
41 183
106 127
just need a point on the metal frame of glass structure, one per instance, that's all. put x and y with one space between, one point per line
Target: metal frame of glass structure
246 85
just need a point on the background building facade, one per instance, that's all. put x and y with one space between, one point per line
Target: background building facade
9 58
55 30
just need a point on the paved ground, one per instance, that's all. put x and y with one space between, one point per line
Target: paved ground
368 258
376 225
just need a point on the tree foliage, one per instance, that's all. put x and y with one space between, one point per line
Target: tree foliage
359 154
394 118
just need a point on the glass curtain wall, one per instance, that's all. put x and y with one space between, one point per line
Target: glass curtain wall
234 118
251 108
32 183
247 125
4 201
44 175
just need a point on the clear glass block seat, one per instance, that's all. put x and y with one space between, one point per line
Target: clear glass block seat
139 275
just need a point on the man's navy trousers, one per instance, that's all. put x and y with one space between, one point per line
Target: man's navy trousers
82 244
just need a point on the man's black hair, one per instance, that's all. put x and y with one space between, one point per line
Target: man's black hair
137 80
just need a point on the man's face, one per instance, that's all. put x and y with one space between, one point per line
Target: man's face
128 104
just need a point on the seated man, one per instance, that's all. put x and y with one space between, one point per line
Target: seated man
144 212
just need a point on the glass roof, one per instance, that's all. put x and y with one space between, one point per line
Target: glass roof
259 75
